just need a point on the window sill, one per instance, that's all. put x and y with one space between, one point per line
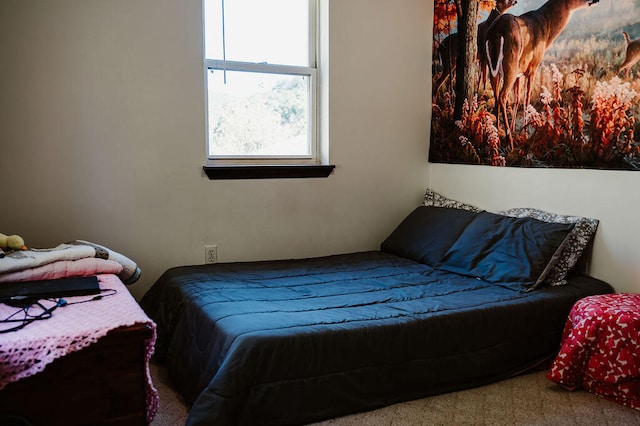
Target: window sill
279 171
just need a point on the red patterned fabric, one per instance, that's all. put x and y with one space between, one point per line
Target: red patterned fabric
600 349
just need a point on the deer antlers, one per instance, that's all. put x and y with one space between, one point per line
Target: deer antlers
515 46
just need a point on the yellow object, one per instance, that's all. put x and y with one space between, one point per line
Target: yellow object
11 242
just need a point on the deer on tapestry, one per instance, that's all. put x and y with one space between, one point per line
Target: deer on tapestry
515 46
448 49
632 54
501 7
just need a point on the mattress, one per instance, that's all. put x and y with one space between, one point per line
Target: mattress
296 341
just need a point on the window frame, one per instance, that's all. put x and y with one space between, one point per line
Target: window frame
217 163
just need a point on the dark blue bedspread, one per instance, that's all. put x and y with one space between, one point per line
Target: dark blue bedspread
290 342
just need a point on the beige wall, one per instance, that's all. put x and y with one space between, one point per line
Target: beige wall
102 138
102 131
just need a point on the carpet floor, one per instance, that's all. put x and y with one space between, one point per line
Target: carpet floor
529 399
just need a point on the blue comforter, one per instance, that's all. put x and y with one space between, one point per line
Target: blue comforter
295 341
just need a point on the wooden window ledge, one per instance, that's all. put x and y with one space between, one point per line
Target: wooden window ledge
276 171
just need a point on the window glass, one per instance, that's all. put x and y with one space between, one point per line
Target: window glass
258 114
271 31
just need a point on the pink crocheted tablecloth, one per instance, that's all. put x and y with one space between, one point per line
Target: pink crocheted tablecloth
600 349
73 327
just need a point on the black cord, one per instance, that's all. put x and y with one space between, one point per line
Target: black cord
108 291
28 318
25 304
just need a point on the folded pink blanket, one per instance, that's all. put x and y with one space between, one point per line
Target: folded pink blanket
130 271
64 268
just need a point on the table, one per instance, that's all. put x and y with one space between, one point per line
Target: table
87 364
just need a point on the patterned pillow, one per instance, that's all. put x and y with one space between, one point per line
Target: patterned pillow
434 199
577 240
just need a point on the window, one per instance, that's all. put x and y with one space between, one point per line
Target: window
260 64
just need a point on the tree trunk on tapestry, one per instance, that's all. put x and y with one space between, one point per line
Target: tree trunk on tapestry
466 70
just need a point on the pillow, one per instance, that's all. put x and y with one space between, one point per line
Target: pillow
432 198
427 233
506 250
577 240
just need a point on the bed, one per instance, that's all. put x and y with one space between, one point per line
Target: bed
455 298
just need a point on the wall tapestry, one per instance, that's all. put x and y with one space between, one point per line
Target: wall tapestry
534 83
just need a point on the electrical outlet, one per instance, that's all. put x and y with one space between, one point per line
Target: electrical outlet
210 254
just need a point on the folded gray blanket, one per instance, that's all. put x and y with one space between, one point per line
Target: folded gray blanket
71 250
